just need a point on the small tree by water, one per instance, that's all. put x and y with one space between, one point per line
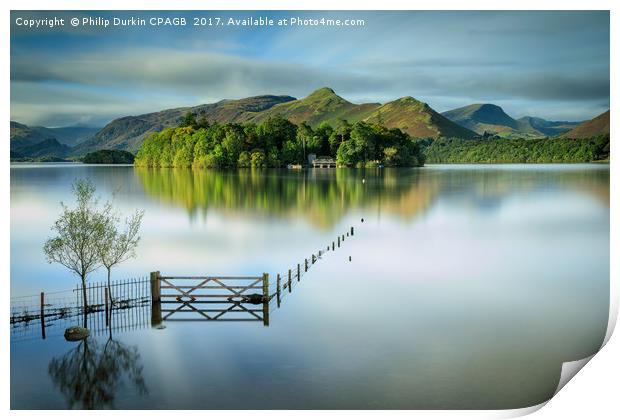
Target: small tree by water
75 244
116 246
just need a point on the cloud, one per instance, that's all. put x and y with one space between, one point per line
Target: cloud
538 61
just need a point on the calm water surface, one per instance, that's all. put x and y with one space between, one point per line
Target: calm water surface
468 287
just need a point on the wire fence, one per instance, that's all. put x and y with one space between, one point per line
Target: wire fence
123 304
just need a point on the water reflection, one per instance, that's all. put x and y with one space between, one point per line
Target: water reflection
91 374
321 196
324 197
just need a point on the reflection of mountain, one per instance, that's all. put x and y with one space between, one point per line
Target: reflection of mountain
320 197
486 187
90 374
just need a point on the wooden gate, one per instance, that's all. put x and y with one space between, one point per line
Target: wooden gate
209 298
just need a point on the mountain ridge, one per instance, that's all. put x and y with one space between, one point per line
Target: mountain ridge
322 105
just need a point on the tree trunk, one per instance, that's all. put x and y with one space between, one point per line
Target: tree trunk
85 301
110 286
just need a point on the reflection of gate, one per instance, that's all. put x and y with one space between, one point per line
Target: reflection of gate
209 298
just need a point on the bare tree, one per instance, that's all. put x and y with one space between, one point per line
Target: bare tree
114 246
77 230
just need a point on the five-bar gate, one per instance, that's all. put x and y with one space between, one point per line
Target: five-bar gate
209 298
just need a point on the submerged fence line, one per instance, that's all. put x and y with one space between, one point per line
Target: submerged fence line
288 279
128 302
52 309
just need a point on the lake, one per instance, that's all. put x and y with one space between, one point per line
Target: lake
465 287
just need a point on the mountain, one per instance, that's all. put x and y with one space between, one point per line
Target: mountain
548 128
491 119
322 105
49 147
23 135
417 119
594 127
127 133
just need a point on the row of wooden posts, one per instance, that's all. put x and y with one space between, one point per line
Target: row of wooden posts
313 260
184 299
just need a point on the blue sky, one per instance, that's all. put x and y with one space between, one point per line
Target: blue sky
554 64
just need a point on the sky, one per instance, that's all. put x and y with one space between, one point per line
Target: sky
548 64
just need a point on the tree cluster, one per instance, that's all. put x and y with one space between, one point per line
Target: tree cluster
105 156
274 143
546 150
88 236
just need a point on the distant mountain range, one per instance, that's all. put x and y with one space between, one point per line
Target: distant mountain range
23 135
491 119
45 148
323 105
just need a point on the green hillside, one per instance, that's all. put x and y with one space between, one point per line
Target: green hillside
595 127
322 105
417 119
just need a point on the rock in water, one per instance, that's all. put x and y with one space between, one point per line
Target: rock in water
76 333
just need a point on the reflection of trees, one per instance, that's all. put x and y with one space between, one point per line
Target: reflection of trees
90 374
322 197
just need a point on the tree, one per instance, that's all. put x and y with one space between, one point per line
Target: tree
275 131
189 120
322 134
77 230
115 246
244 160
363 137
258 159
233 144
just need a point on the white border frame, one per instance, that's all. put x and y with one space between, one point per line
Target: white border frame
593 394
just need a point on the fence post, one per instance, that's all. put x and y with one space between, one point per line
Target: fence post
278 289
155 299
338 241
155 287
298 272
289 280
43 315
313 259
305 265
351 230
266 299
333 246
